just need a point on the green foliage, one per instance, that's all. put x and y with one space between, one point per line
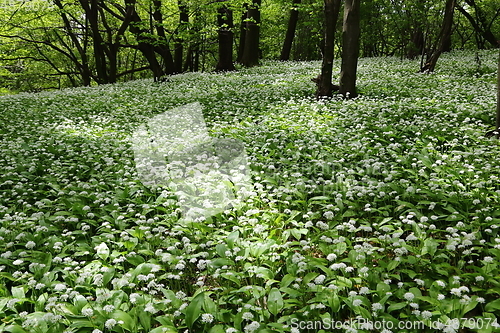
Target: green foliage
383 207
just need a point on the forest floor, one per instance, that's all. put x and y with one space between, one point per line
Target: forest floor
378 214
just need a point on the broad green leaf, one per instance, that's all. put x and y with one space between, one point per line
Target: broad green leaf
430 246
395 306
14 329
17 292
287 280
217 329
128 322
232 238
274 301
193 310
493 306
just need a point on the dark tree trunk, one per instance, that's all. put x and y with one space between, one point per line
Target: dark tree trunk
290 31
83 65
325 88
417 44
162 49
144 44
447 43
243 32
252 37
350 48
92 14
444 34
179 47
225 23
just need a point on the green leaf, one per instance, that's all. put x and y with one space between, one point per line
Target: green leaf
219 262
393 264
334 302
128 322
14 329
493 305
231 276
221 250
209 305
274 301
217 329
17 292
396 306
382 288
232 238
287 280
194 309
430 246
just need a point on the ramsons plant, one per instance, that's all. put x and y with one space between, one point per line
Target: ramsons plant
381 209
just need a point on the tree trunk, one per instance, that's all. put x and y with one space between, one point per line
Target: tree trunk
350 48
92 14
252 37
225 22
290 31
144 44
444 35
162 49
83 66
243 32
179 47
417 44
324 81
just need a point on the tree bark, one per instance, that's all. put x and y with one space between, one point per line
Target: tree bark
83 66
91 11
179 47
144 43
252 37
325 88
225 32
444 35
162 49
243 33
350 48
417 44
290 31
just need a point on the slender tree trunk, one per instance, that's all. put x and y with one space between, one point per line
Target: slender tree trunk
444 34
243 32
251 50
113 63
416 44
350 48
324 84
225 22
83 66
144 43
179 47
290 31
163 48
91 12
